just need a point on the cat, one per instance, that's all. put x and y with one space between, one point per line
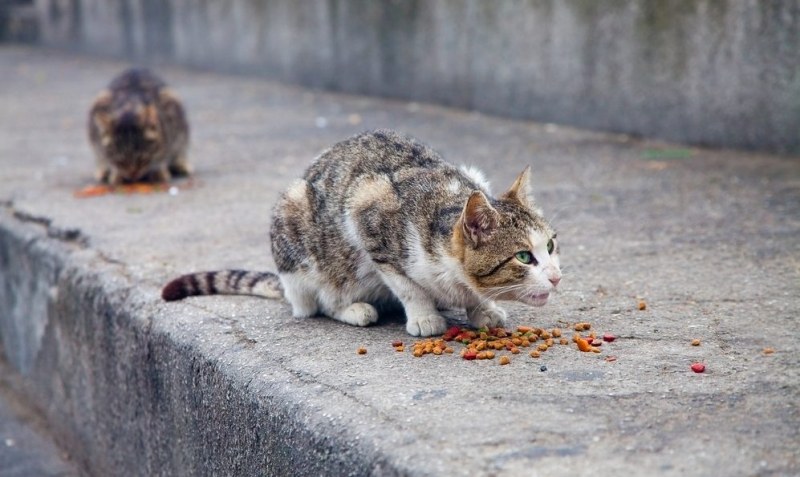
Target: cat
138 130
382 218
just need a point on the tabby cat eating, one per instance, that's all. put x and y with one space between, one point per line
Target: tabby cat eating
138 130
382 218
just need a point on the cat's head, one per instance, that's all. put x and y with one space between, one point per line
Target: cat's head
129 131
507 249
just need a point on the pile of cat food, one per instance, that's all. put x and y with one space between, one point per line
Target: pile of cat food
488 343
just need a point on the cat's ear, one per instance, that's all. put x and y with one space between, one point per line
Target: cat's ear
520 189
479 219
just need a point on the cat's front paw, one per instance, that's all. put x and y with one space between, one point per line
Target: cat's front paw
488 315
426 325
358 314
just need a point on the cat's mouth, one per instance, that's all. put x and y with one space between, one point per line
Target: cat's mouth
535 299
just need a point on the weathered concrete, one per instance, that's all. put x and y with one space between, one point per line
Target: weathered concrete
234 385
26 447
713 72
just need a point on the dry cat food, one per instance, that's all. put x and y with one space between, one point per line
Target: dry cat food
695 342
698 367
642 305
486 343
430 346
135 188
361 350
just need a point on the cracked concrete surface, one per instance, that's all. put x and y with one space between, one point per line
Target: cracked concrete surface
708 238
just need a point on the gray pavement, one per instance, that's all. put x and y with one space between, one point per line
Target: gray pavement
26 447
234 385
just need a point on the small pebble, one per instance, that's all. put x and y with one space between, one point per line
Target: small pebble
542 368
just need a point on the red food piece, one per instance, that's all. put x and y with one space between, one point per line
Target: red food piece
698 367
451 333
397 343
608 337
470 355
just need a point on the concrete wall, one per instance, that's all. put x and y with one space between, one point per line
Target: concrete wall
126 394
713 72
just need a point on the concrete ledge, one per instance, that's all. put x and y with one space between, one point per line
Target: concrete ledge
235 385
124 390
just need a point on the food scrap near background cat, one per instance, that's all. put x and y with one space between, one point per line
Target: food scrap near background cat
381 218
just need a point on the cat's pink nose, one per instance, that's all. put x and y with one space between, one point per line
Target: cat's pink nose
555 280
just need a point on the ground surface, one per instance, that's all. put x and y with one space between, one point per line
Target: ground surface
708 238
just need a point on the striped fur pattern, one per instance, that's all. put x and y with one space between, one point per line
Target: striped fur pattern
138 130
381 218
227 282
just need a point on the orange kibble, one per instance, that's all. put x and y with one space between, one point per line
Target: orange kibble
563 341
549 342
695 342
545 335
516 341
535 354
514 350
538 331
768 350
583 345
437 350
448 350
524 329
361 350
504 360
642 305
595 350
542 347
400 348
489 354
556 332
533 338
578 326
525 343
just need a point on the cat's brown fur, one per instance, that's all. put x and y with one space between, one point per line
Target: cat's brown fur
138 130
381 218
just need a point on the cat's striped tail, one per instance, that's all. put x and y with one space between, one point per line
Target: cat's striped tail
224 282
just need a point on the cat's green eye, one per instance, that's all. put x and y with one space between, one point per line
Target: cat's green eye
524 257
550 246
